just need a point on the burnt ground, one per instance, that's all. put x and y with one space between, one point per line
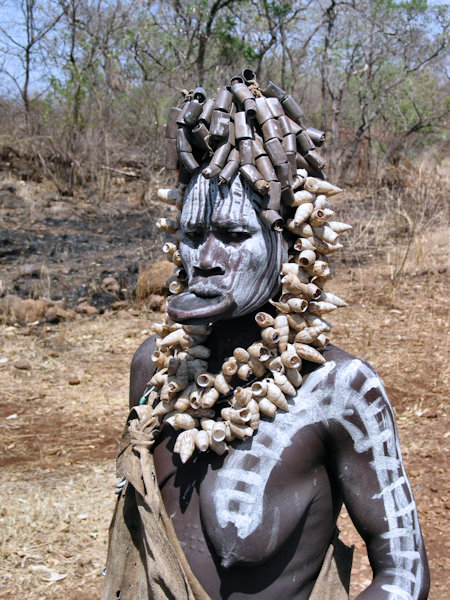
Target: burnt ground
63 247
64 384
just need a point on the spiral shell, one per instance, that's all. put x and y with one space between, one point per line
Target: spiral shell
295 269
284 384
264 319
319 216
170 195
253 407
242 396
241 355
205 380
270 336
176 258
240 431
321 201
241 415
320 307
325 233
304 229
276 396
221 384
309 353
185 444
202 440
296 321
195 398
173 364
281 325
296 305
309 334
218 431
328 297
209 398
266 407
320 186
302 197
176 287
290 358
339 227
321 341
182 421
258 350
244 371
175 338
306 258
230 367
276 365
159 378
299 178
257 367
281 307
259 389
207 424
204 330
291 283
218 447
303 213
315 321
160 359
322 269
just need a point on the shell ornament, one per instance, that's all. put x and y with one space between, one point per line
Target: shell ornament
259 133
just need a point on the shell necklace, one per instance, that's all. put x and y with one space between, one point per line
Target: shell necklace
183 392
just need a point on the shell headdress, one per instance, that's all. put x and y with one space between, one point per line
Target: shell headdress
260 134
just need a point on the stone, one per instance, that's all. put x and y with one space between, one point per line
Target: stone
22 365
86 309
56 313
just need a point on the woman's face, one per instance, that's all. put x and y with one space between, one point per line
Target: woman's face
232 258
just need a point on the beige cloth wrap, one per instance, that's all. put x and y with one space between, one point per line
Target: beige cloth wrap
145 560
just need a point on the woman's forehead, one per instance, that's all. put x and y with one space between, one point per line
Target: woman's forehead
207 203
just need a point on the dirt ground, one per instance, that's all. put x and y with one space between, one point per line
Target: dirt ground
63 398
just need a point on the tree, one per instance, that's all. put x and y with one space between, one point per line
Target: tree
22 34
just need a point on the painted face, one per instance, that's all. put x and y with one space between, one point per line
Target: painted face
232 258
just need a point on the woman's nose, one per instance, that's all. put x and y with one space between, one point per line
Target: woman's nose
208 262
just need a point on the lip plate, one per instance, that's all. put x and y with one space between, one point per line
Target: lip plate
194 310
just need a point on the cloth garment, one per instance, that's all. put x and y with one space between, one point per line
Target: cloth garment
145 560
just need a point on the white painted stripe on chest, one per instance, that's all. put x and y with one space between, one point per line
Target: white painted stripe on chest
312 405
278 436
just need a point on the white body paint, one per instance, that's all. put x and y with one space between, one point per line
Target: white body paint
244 509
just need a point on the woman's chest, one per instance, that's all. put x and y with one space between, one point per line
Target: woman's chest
248 504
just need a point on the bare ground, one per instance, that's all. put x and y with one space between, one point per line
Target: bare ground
62 415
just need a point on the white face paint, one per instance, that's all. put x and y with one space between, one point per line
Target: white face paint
226 249
370 426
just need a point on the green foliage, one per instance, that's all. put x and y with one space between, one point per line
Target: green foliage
370 73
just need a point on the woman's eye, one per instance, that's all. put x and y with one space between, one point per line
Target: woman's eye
193 235
238 236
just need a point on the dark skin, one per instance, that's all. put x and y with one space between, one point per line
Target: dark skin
257 521
316 473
